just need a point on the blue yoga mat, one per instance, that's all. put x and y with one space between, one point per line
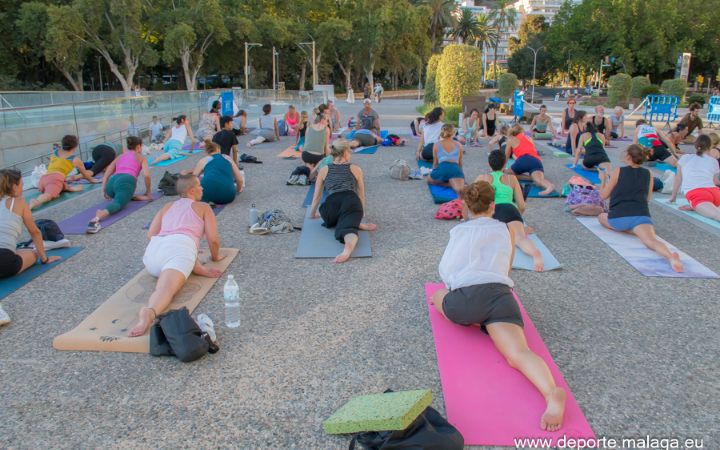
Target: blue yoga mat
663 167
12 284
535 192
590 175
442 194
367 150
167 162
308 198
422 163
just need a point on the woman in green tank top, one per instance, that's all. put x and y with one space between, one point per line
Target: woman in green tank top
509 206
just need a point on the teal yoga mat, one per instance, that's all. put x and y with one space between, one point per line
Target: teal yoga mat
168 162
535 192
12 284
427 164
367 150
33 193
688 214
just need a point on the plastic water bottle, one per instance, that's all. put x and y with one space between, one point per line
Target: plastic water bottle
232 302
244 177
253 213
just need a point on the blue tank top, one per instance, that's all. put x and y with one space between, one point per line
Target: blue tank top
443 155
218 170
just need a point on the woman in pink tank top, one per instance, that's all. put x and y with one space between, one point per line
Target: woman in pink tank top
172 254
120 182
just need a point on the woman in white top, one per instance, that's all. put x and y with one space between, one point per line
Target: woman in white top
14 214
476 271
698 175
268 130
176 139
430 134
617 122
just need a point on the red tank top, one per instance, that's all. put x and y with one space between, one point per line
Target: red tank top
525 148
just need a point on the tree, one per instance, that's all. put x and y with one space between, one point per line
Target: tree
486 35
502 16
191 26
116 29
531 39
441 17
466 27
459 73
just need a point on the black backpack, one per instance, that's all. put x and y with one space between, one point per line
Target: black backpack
168 183
50 230
175 333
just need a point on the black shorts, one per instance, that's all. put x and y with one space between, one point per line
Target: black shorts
10 263
660 153
482 304
593 160
427 152
311 158
365 139
506 213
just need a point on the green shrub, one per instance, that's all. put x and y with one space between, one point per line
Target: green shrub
697 98
452 112
431 93
619 86
507 82
637 85
459 73
649 90
676 87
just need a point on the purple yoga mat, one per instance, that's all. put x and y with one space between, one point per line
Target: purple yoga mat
77 224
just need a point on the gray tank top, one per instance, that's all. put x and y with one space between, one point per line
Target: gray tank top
10 225
315 141
339 179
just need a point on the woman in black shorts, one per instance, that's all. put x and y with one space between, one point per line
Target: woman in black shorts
14 214
475 269
593 146
490 120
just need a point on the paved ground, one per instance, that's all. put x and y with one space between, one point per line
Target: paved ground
640 354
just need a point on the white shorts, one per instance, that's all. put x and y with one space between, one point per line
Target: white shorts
175 251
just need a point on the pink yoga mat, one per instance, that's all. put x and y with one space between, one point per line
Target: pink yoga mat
489 402
77 224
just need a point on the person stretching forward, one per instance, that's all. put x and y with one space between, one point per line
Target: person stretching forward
172 253
476 269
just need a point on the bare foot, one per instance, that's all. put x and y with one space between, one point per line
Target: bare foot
368 226
675 263
74 188
146 318
552 418
539 263
686 208
142 198
34 204
548 191
342 257
529 230
204 271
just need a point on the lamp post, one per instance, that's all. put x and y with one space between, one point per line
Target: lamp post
314 65
248 46
535 52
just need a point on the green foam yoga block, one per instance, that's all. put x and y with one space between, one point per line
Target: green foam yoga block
379 412
543 136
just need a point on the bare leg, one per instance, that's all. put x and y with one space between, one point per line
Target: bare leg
168 285
351 241
457 184
162 157
527 245
101 214
29 257
438 298
510 341
539 179
40 199
646 233
603 219
69 188
671 161
709 210
368 226
606 166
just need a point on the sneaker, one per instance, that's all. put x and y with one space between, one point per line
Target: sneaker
4 317
415 174
93 227
293 180
302 180
207 326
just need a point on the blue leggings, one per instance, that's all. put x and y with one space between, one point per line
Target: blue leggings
121 188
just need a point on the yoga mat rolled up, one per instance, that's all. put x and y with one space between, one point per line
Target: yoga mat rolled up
543 136
442 194
77 224
12 284
106 328
488 401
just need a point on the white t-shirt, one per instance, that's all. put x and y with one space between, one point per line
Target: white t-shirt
698 171
431 132
478 252
179 133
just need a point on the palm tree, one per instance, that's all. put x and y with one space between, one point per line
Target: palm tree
486 35
466 27
441 17
503 17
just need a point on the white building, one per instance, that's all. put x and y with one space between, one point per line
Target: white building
547 8
485 7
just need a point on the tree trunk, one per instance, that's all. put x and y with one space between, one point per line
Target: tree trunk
347 71
75 79
495 66
303 74
190 79
369 75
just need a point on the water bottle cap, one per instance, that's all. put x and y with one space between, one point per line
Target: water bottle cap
252 205
231 277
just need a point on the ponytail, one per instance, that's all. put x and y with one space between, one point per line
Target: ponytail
702 144
179 119
210 146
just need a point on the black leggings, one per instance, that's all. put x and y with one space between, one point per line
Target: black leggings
427 152
102 155
10 263
344 212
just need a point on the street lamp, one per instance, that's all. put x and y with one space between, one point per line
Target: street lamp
314 65
248 46
535 52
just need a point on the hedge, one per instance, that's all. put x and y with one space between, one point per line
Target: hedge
697 98
459 73
452 112
619 87
431 94
652 89
638 83
507 82
676 87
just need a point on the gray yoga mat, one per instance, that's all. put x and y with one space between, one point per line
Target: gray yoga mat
524 261
316 241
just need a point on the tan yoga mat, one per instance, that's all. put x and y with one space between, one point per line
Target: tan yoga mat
290 153
107 327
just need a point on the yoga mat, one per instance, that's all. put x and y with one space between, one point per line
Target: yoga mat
217 209
442 194
646 261
422 163
663 167
316 241
690 214
366 150
535 192
290 153
590 175
186 147
77 224
65 195
12 284
489 402
107 327
525 262
167 162
308 198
